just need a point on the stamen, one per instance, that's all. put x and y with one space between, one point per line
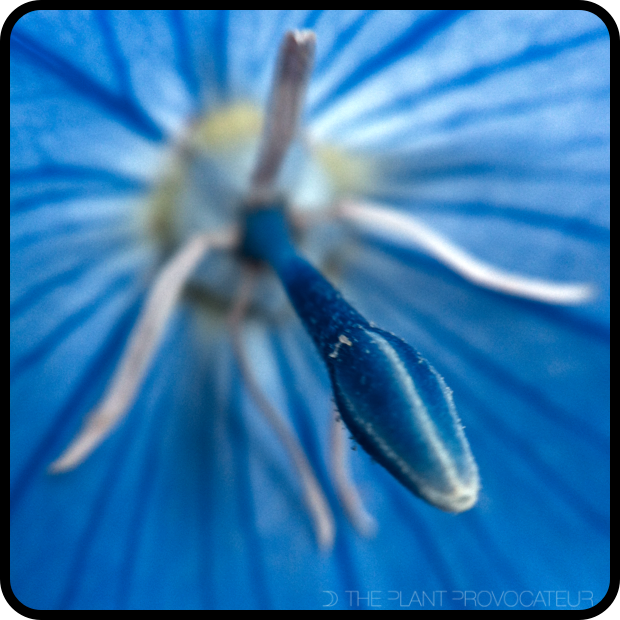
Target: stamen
314 498
141 347
411 231
287 97
395 404
349 498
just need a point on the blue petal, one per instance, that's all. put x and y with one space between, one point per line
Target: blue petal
494 127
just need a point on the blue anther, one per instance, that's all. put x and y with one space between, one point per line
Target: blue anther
397 407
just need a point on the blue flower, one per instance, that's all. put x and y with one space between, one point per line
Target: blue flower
463 135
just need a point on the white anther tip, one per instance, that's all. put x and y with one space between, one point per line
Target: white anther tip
325 533
297 56
74 455
301 37
464 500
461 497
576 294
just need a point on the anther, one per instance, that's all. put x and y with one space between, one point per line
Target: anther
395 404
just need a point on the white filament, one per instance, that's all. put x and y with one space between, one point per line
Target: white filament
345 488
411 231
287 97
140 350
314 498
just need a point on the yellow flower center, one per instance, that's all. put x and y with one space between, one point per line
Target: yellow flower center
205 183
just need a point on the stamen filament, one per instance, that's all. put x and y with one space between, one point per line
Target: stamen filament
314 498
140 350
411 231
346 490
287 97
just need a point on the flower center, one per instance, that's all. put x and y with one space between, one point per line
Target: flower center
207 181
